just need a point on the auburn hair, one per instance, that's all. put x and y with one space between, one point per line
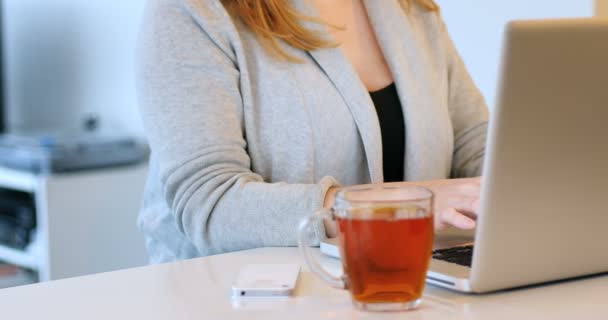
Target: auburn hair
277 20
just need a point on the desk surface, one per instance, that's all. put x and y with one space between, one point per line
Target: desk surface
200 289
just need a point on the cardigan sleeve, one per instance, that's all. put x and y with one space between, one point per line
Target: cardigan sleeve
468 112
192 109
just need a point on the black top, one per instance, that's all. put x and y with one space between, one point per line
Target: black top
392 127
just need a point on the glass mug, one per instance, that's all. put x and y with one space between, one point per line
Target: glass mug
385 237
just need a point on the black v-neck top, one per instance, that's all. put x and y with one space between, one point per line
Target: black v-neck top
392 126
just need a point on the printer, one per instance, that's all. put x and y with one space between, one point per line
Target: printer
54 153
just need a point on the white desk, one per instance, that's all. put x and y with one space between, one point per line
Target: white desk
200 289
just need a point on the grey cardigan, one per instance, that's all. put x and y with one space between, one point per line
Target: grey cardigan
244 144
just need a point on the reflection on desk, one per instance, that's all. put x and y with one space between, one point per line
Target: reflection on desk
200 289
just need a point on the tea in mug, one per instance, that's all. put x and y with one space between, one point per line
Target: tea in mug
386 253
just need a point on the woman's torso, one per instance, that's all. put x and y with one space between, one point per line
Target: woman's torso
303 121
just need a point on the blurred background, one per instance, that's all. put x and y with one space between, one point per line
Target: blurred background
68 80
66 60
477 29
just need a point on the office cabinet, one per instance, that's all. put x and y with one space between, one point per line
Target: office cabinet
86 221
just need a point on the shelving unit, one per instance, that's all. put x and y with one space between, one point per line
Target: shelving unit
86 221
18 257
17 180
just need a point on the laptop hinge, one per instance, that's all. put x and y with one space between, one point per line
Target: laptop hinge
441 280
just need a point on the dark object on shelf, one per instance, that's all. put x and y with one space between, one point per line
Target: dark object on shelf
12 235
50 153
17 218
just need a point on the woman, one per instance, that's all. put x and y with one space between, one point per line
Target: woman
257 110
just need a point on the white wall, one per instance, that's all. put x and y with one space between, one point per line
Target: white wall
477 26
66 59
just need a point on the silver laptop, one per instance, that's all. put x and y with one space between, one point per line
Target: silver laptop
544 212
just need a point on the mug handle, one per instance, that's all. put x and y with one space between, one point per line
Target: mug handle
303 243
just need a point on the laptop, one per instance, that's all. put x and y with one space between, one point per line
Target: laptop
544 211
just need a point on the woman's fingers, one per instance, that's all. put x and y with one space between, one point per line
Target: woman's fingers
456 202
466 205
476 206
451 216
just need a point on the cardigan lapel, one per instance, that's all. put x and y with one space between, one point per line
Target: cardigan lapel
356 97
343 76
401 44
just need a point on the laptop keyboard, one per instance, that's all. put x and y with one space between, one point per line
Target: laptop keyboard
458 255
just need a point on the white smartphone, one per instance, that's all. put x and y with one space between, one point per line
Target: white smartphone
266 280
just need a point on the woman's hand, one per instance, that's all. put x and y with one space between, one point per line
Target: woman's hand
456 203
331 228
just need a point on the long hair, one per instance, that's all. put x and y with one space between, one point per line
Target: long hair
276 20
